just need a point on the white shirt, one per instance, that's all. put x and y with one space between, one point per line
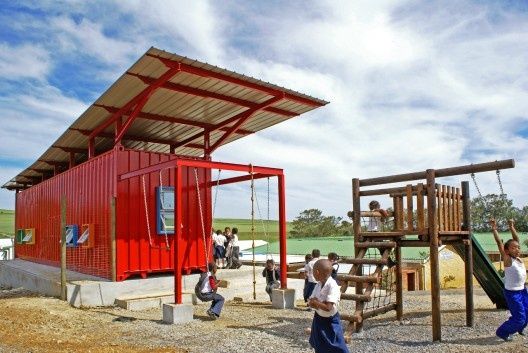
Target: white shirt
206 286
515 275
234 240
219 239
374 224
309 272
330 293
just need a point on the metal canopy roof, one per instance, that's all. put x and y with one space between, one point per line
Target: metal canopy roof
172 104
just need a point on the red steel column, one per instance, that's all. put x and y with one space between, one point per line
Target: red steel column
177 236
282 232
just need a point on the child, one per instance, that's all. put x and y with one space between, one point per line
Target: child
326 333
375 225
333 258
307 260
309 274
207 291
219 250
272 274
233 250
514 280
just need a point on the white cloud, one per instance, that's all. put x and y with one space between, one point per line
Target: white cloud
24 61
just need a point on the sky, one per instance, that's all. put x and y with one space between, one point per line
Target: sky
412 85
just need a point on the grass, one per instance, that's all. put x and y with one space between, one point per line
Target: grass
244 228
7 223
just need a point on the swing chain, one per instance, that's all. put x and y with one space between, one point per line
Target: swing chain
146 209
201 217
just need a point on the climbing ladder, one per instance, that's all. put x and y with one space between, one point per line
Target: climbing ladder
365 285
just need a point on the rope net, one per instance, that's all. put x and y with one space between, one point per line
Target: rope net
383 293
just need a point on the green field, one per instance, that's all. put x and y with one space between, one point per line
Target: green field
244 228
7 223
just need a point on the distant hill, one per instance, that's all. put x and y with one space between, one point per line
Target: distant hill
7 223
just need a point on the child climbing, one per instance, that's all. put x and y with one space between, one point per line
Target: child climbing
206 289
514 283
272 274
326 334
375 224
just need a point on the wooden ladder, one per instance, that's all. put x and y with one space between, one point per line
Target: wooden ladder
355 321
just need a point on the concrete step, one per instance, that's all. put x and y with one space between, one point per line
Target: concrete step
153 300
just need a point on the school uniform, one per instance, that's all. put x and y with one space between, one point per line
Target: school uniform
219 250
208 292
312 282
516 298
272 280
327 334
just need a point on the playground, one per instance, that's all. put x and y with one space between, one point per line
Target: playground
31 321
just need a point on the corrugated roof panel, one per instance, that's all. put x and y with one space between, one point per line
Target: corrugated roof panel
212 82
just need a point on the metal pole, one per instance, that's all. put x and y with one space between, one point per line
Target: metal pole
465 169
64 292
468 252
177 236
282 232
433 249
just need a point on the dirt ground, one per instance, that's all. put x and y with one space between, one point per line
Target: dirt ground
32 323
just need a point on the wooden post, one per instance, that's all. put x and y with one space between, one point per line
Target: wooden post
420 209
410 224
433 249
399 284
113 262
468 252
64 293
356 208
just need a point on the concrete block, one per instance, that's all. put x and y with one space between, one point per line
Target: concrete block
283 298
177 313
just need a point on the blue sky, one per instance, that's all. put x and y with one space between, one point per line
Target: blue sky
412 85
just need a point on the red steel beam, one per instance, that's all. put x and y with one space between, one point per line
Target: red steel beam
148 90
202 164
120 132
110 135
282 231
220 76
178 253
238 179
170 119
208 94
71 149
242 120
223 124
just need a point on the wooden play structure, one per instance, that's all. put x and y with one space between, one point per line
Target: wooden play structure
425 215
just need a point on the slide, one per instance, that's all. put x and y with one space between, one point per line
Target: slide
486 274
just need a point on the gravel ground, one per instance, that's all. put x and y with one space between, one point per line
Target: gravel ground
30 323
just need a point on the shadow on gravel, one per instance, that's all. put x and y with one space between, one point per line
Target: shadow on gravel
285 328
477 341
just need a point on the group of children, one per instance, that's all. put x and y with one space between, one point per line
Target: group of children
226 248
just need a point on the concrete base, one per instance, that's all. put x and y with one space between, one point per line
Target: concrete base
283 298
154 300
177 313
89 291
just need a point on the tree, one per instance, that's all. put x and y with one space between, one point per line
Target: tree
492 206
312 223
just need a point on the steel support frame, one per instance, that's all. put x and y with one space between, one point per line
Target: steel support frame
259 172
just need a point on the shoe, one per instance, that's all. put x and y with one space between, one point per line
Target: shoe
506 339
308 309
521 332
211 314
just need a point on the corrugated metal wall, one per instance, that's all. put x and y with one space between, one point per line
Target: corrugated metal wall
88 188
136 253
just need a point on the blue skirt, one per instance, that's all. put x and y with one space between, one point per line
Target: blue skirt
327 335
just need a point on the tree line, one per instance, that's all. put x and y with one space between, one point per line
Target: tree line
313 223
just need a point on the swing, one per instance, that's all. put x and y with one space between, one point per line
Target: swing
502 196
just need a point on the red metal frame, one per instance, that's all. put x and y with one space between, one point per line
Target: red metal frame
259 172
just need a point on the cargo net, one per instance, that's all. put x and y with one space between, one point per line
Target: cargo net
383 293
